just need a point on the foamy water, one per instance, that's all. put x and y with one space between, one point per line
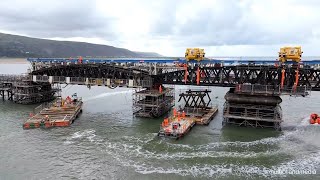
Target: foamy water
134 152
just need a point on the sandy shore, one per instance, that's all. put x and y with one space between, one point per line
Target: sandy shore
13 61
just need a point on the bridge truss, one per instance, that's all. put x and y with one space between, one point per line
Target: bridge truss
229 76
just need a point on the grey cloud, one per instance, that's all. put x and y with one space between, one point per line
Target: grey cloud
227 23
47 19
231 23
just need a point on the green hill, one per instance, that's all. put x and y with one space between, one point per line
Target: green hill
21 46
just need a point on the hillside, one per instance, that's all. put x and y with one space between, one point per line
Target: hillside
21 46
148 54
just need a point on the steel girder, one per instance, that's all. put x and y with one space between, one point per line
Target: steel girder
229 76
92 71
195 98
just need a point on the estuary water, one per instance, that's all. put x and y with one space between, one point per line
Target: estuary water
107 142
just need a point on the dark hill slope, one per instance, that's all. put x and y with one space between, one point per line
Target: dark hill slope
21 46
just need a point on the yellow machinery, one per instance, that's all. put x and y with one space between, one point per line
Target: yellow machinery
293 53
194 54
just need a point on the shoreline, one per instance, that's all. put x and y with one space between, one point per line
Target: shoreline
13 61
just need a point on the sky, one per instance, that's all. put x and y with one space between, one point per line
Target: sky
168 27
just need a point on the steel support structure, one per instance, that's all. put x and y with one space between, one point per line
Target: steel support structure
255 110
229 76
22 90
195 98
257 116
107 71
195 102
152 102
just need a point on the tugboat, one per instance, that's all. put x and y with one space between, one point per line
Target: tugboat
314 119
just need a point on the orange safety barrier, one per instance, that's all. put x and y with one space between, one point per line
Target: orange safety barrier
282 77
47 124
61 124
198 76
185 73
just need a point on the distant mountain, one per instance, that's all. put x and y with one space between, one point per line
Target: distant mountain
148 54
21 46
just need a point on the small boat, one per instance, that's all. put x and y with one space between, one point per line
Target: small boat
176 126
314 119
181 122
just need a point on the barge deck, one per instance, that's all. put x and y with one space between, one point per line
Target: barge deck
59 113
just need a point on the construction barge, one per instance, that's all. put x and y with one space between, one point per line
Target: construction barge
196 111
59 113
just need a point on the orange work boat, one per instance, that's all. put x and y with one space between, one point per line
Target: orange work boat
59 113
176 126
314 119
180 123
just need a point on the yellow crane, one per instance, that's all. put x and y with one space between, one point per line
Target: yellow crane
194 54
290 53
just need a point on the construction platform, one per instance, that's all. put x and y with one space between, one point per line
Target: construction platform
197 104
153 102
59 113
22 90
252 110
201 116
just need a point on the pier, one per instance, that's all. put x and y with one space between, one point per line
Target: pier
22 89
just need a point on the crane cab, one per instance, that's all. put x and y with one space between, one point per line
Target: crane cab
290 53
194 54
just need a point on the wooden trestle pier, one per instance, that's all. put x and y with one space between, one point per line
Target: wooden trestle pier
22 90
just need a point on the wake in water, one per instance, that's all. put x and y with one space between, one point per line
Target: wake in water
87 134
147 154
106 95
